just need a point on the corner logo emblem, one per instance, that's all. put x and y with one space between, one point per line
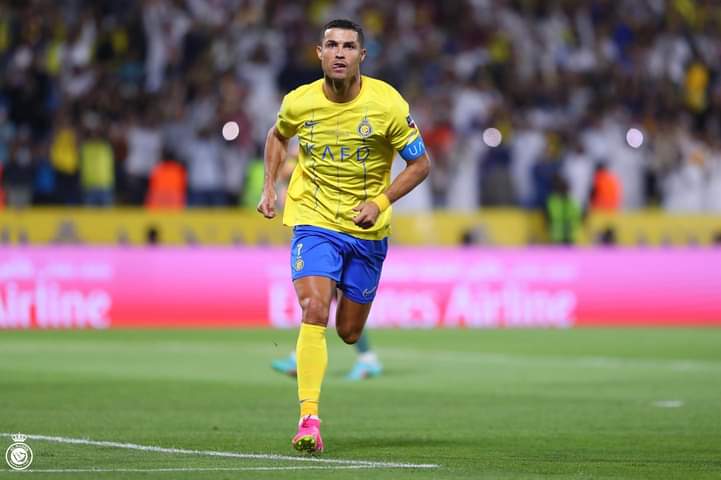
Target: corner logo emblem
19 455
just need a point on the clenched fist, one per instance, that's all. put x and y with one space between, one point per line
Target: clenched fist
266 206
367 214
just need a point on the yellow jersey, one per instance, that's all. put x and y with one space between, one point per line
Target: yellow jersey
346 152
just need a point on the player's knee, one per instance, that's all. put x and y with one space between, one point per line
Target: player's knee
349 335
315 311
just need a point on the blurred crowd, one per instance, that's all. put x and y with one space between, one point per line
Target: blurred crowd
616 104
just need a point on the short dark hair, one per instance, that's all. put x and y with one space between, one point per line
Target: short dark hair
345 25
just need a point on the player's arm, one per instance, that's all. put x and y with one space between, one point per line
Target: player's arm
276 150
415 172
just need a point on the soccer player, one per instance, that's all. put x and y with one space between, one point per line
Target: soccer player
338 201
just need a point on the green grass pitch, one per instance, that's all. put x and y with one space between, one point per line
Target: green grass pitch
498 404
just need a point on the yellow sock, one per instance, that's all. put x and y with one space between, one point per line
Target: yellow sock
312 358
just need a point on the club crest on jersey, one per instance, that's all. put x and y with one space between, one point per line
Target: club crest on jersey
364 128
299 264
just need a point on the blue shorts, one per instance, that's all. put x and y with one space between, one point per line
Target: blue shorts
355 264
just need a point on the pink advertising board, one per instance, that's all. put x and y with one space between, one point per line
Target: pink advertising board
69 287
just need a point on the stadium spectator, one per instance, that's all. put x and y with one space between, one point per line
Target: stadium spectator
527 143
577 170
144 149
606 192
167 185
684 187
440 141
546 170
665 156
253 187
712 200
18 173
205 170
7 133
64 157
97 165
563 214
43 177
496 182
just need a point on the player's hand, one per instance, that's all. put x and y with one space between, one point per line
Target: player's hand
367 214
266 206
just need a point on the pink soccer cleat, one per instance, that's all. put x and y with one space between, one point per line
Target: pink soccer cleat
308 439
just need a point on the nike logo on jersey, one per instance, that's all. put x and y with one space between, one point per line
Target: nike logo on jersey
311 123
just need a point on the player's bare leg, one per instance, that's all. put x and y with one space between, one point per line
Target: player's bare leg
314 295
351 318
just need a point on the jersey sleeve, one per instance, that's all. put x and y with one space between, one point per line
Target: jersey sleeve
403 132
287 122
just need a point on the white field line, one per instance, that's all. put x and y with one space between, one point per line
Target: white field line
192 469
668 403
212 453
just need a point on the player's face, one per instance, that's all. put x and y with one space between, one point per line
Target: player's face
340 54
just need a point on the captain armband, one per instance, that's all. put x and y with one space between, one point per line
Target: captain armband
413 150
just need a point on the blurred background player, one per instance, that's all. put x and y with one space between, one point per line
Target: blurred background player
367 364
338 202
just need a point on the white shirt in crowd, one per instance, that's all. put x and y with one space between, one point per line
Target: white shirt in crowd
144 150
205 167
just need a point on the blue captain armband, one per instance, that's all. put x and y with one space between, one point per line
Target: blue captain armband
413 150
